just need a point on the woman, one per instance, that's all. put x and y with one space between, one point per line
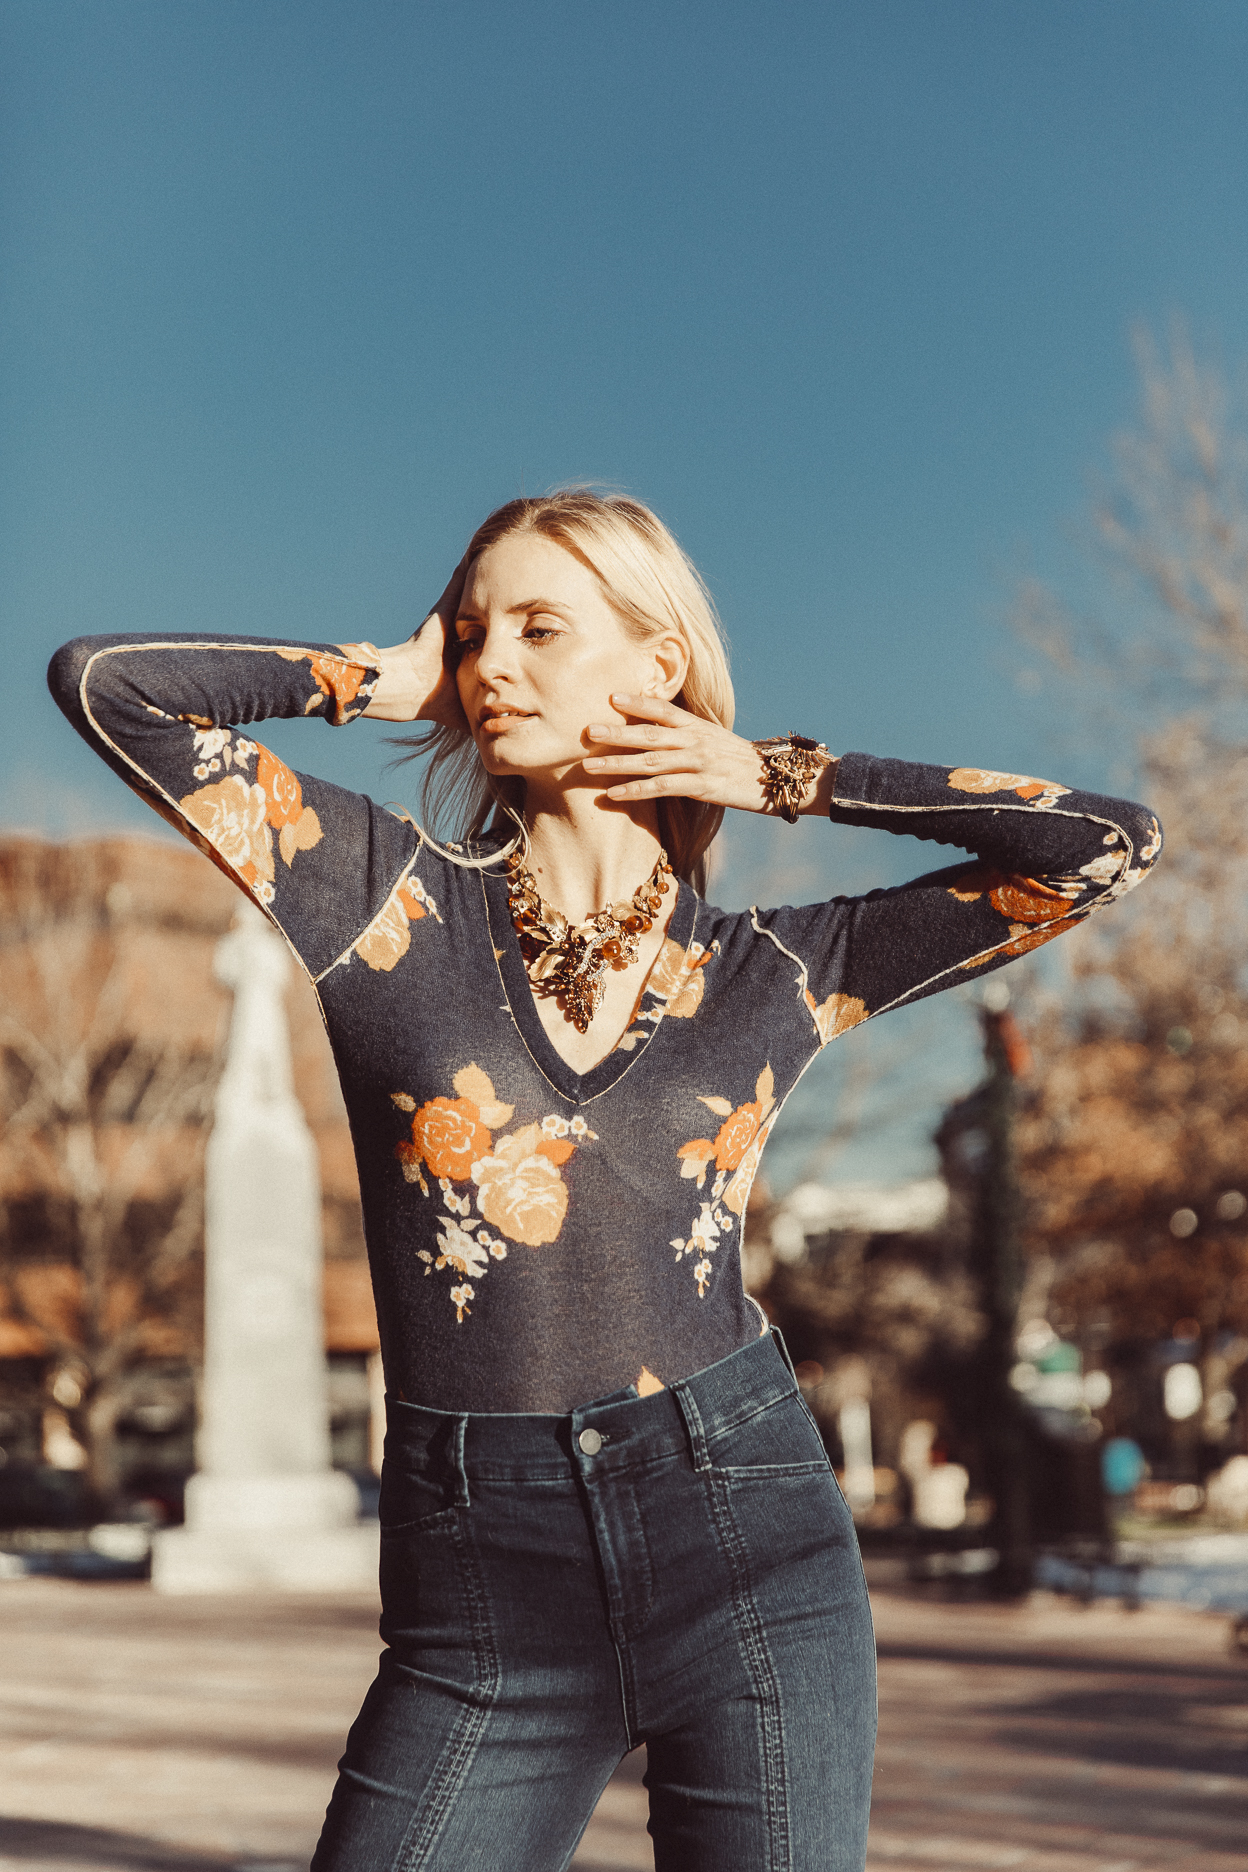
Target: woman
607 1516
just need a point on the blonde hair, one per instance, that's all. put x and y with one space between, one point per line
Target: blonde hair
655 590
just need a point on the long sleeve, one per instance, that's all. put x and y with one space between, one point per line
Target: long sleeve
1043 857
167 714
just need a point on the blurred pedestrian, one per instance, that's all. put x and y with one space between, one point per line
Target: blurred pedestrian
607 1515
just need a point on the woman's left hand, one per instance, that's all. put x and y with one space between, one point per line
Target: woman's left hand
676 755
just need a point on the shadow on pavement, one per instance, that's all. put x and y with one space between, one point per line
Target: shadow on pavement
53 1843
1165 1729
1086 1663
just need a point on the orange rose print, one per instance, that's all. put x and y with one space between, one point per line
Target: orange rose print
285 796
736 1135
737 1193
519 1189
1017 899
337 680
449 1136
298 828
1025 939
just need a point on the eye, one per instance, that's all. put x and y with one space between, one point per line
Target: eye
542 629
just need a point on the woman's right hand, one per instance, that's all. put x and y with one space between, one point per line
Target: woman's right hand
417 677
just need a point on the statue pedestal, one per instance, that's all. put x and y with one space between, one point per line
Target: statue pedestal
292 1533
266 1509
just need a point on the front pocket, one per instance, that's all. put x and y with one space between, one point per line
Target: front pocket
433 1608
780 1439
418 1489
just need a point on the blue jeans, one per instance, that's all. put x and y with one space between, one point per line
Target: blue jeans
678 1570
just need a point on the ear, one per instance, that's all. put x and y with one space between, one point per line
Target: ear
670 666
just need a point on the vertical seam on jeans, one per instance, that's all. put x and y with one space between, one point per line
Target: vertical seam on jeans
459 1435
762 1671
465 1738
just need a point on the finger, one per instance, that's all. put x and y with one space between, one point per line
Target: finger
661 786
663 760
639 737
453 591
652 708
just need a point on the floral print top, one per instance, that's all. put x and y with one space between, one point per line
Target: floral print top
539 1237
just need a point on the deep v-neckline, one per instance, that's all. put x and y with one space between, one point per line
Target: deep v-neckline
641 1031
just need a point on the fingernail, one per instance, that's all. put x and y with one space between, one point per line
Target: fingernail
621 698
593 761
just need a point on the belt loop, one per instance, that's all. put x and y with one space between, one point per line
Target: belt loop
778 1336
694 1425
457 1452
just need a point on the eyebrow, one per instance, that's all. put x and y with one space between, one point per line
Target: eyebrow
518 610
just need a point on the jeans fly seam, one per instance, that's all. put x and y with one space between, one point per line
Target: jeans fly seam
465 1737
762 1671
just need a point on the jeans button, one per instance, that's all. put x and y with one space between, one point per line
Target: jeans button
590 1442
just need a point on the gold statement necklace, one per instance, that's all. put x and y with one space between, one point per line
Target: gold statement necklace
571 960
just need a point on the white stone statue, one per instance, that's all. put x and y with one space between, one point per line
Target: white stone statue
265 1508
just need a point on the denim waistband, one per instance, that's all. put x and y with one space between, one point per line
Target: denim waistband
689 1415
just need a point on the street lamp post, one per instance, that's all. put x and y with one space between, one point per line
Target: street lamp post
997 1266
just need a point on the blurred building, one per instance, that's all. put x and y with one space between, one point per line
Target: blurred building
869 1286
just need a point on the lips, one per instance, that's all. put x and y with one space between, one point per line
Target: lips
498 720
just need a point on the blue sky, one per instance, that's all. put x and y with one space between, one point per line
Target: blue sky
291 293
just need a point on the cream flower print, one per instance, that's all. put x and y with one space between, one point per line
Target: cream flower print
677 978
219 748
1041 793
231 814
1115 871
514 1181
673 989
388 937
703 1239
835 1015
238 816
459 1250
460 1296
520 1190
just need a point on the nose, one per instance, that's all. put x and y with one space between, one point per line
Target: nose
496 659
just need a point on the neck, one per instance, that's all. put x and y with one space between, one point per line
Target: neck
587 852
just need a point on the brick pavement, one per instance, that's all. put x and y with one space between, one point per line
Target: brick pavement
147 1735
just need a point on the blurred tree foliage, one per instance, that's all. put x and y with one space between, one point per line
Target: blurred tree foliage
1134 1144
108 1056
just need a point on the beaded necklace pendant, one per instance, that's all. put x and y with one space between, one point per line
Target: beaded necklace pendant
570 961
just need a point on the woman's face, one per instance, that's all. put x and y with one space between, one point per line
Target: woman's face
542 654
